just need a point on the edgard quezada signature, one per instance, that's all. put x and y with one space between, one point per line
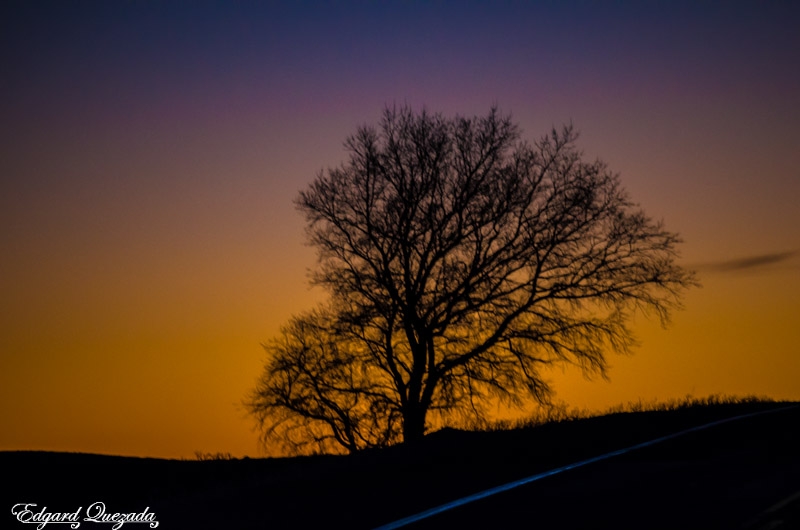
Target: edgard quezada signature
30 513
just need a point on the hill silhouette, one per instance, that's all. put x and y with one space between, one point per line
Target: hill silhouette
372 488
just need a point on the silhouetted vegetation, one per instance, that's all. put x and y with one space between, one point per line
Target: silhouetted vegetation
460 261
200 455
557 413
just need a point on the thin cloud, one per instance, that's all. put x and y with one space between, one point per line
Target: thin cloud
749 263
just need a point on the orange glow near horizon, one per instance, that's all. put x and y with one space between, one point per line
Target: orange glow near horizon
150 160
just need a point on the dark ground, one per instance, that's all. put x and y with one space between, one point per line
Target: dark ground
727 476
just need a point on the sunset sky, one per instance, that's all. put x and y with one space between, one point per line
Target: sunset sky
150 153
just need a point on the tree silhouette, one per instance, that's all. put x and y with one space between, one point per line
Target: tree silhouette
460 261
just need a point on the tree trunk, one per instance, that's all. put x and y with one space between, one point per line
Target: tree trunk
413 423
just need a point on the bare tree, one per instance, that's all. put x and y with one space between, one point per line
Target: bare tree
459 260
319 393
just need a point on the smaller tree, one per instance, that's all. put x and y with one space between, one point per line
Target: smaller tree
318 393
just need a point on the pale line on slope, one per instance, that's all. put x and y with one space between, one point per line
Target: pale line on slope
527 480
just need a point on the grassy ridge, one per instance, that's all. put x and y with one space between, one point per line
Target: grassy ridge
358 491
558 413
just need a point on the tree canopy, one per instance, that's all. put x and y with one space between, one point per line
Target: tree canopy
460 261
